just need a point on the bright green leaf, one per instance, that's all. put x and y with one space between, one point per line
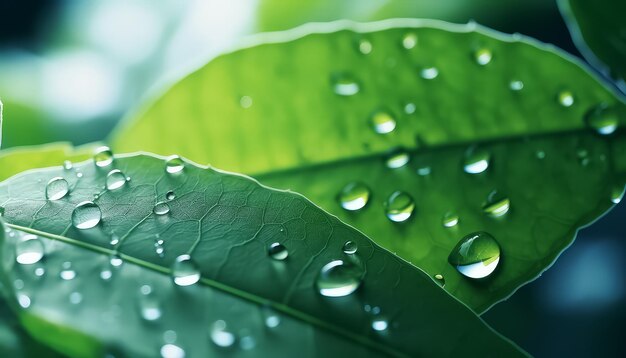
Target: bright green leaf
106 288
272 111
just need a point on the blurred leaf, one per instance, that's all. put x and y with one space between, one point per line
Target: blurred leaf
94 298
17 160
599 31
24 125
272 111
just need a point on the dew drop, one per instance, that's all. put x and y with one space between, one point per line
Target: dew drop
383 122
476 160
161 208
29 250
540 154
440 280
354 196
171 350
617 194
380 324
270 318
277 251
409 108
409 40
23 300
40 271
67 273
365 46
399 206
603 119
185 271
483 56
116 260
476 255
170 195
349 247
429 73
496 205
115 179
450 219
174 164
79 174
566 98
245 102
76 298
103 156
397 159
516 85
67 165
149 305
106 274
221 336
345 85
57 188
338 278
86 215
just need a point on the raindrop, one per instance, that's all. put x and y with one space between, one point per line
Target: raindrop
354 196
476 255
349 247
174 164
383 122
103 156
86 215
345 85
170 195
409 40
476 160
161 208
67 165
440 280
397 159
149 304
483 56
566 98
338 278
450 219
172 351
185 271
429 73
57 188
221 336
365 46
115 179
29 250
516 85
245 102
399 206
277 251
617 194
496 204
603 119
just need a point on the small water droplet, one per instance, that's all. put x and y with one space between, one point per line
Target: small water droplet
149 305
345 85
245 102
76 298
67 273
409 108
399 206
79 174
380 323
57 188
365 46
397 158
174 164
277 251
617 193
271 318
349 247
115 179
603 119
86 215
483 56
221 336
429 73
23 300
476 255
185 271
516 85
566 98
409 40
171 350
161 208
440 280
103 156
450 219
106 274
338 278
114 240
40 271
116 260
354 196
540 154
170 195
496 204
383 122
29 250
476 160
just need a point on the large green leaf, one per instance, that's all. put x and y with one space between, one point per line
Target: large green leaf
86 296
599 31
271 111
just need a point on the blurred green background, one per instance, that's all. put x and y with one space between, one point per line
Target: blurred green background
70 70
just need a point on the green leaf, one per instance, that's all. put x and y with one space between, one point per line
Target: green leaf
599 31
294 132
17 160
94 297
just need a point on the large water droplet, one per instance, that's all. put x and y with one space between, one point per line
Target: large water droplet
354 196
221 336
29 250
349 247
174 164
409 40
86 215
57 188
338 278
476 255
345 85
566 98
277 251
115 179
429 73
185 271
399 206
161 208
496 204
483 56
397 159
476 160
149 304
603 119
450 219
617 193
383 122
103 156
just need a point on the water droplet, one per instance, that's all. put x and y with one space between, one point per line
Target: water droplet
409 40
29 250
603 119
67 165
149 304
170 195
57 188
220 335
397 159
116 260
380 324
114 240
617 193
483 56
161 208
277 251
103 156
440 280
174 164
338 278
349 247
496 204
76 298
450 219
185 271
40 271
67 273
272 320
429 73
86 215
365 46
566 98
399 206
383 122
345 85
106 274
476 255
540 154
172 351
476 160
409 108
115 179
516 85
354 196
245 102
79 174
